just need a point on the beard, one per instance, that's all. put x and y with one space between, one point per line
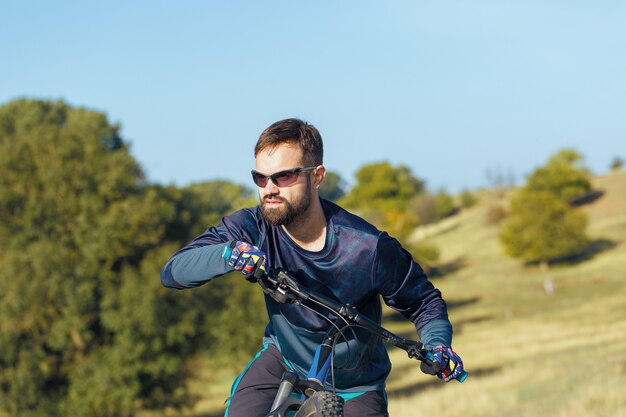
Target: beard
281 216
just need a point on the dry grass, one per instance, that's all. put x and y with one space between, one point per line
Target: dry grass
528 353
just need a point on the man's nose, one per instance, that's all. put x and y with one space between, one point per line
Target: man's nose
271 188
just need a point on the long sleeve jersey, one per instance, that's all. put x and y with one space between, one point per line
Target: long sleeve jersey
358 265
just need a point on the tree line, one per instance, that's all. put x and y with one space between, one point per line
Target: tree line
85 326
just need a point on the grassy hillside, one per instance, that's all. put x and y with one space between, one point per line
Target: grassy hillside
528 353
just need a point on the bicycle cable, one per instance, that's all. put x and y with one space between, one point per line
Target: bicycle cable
340 332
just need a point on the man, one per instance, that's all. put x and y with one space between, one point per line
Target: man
328 250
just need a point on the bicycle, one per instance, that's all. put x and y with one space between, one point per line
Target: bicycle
312 399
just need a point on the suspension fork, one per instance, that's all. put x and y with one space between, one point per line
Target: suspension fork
323 356
314 380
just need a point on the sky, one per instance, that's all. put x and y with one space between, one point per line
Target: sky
458 91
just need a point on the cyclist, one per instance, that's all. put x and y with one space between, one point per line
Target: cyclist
328 250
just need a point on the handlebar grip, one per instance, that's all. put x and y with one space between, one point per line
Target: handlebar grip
258 273
429 367
463 376
432 367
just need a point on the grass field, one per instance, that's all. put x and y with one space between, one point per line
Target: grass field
528 353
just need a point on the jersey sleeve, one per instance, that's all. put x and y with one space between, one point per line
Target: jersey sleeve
202 259
405 287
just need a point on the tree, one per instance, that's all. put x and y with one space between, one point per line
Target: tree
564 176
444 204
382 186
85 326
467 199
541 227
207 202
333 187
617 163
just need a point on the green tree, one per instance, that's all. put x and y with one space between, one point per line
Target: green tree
467 199
564 176
382 186
85 326
207 202
444 204
541 227
333 187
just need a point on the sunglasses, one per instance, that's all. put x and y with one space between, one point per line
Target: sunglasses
281 178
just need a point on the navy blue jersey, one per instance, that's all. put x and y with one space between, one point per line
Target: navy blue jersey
358 265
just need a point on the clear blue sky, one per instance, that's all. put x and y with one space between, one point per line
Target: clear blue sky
450 88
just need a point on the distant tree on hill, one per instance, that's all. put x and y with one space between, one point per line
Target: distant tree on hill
564 176
383 186
333 187
617 163
467 199
444 205
542 227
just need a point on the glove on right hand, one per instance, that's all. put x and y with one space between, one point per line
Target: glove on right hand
245 258
453 363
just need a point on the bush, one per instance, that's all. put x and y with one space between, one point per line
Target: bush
444 205
494 215
467 199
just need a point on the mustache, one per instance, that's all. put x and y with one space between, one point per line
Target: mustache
273 198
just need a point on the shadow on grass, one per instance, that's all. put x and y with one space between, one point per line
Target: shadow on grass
413 389
593 248
459 325
452 304
588 198
440 271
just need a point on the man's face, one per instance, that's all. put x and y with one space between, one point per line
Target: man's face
281 205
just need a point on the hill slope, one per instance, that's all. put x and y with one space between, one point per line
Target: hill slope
530 353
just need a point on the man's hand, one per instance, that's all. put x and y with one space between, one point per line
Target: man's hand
245 258
453 363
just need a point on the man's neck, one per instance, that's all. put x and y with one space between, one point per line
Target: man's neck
309 230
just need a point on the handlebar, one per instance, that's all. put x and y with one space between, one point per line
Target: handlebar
284 289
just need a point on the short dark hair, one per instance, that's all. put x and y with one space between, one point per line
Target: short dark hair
297 132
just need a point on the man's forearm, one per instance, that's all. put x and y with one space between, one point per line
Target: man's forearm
437 332
192 267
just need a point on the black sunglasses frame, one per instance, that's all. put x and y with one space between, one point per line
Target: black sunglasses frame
257 177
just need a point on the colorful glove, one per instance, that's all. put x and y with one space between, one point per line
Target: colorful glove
453 363
245 257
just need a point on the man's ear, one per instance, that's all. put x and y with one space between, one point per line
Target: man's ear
318 177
